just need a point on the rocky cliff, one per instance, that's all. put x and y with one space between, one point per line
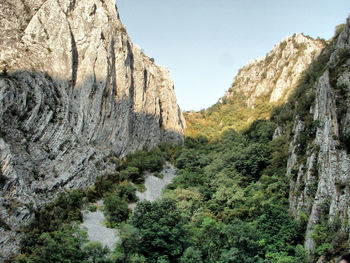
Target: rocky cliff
319 160
259 86
73 91
276 75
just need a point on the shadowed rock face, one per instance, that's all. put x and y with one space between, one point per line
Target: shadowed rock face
320 182
73 90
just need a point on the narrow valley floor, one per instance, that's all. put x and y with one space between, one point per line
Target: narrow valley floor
95 222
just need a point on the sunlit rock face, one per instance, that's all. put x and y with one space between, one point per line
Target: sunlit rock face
258 87
276 75
73 91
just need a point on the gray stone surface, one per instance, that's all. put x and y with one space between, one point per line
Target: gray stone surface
94 222
276 75
322 185
95 225
73 91
155 186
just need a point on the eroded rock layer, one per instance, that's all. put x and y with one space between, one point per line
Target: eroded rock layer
73 90
320 172
276 75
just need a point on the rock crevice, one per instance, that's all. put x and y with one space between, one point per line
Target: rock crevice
320 181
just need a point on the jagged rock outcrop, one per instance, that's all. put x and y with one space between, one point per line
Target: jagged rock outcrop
276 75
73 91
320 179
258 87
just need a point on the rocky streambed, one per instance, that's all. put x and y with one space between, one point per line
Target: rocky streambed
95 222
95 225
155 185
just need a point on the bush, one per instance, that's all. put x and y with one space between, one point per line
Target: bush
159 175
191 255
260 131
117 209
64 245
151 161
188 158
92 208
330 238
131 173
127 192
161 228
104 184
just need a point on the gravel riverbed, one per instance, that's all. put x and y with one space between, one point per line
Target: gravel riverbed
95 222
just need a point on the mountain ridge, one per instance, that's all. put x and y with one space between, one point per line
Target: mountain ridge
312 130
259 86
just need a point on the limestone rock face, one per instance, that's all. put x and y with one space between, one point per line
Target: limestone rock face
275 76
73 91
320 185
258 87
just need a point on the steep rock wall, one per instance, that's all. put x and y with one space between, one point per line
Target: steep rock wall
276 75
320 179
73 91
258 87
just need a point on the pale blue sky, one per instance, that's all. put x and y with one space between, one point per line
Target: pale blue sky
204 42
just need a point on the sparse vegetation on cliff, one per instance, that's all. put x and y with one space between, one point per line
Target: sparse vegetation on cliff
259 178
257 89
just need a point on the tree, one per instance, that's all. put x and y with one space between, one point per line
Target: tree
117 209
129 242
191 255
161 229
60 246
210 238
132 173
127 192
95 252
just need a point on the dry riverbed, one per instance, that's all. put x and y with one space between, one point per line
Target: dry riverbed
95 222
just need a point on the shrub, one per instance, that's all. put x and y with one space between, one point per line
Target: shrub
260 131
127 192
330 238
92 208
191 255
132 173
159 175
161 228
117 209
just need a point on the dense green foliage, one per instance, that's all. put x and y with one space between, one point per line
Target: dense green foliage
228 203
50 218
117 209
161 229
52 235
233 193
65 245
230 113
330 238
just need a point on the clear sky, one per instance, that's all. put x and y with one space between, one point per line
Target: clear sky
204 42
